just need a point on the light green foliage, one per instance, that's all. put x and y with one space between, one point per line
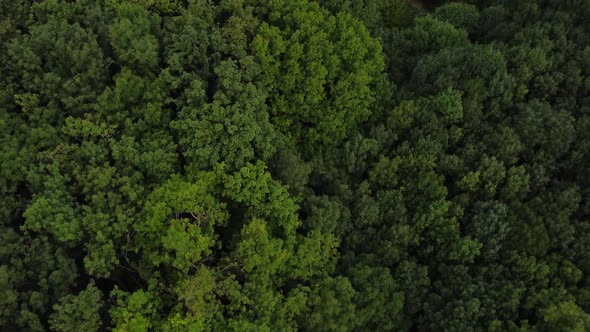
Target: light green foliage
316 255
333 58
180 230
53 211
233 129
258 251
179 221
224 117
253 187
133 312
197 295
566 316
79 312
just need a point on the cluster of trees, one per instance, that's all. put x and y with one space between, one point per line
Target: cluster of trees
278 165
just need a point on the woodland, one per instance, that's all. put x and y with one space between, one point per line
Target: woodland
294 165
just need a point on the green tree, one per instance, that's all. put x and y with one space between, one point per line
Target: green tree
334 58
80 311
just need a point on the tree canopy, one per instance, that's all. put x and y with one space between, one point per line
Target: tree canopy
282 165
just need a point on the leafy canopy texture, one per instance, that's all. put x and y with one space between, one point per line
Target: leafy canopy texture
285 165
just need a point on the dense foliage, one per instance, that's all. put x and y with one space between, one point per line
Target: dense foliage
330 165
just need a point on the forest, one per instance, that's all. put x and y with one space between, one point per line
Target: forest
294 165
